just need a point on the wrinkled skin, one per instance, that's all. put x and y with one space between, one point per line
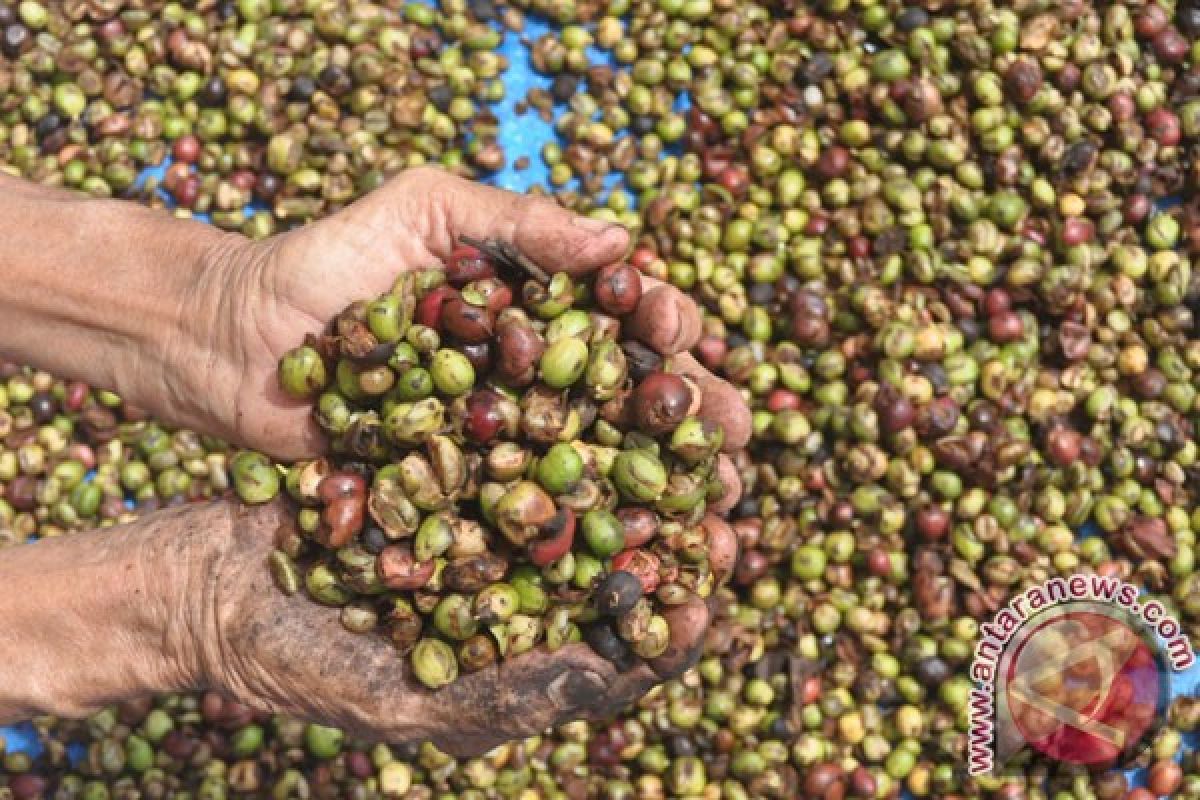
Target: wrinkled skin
294 656
182 600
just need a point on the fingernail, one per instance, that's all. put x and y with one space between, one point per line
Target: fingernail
659 322
577 689
593 225
677 340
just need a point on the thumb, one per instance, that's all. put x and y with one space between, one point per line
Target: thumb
440 207
523 697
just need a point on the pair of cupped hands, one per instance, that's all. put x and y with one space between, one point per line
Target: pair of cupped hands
260 299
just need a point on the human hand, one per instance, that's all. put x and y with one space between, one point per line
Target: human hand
193 607
182 600
296 657
262 298
270 652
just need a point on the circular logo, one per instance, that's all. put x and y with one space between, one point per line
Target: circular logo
1084 687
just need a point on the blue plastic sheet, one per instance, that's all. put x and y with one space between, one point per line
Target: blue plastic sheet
524 135
20 738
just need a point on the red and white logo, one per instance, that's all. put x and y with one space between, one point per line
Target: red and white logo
1082 687
1076 670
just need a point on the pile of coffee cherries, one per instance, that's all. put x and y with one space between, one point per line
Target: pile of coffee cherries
506 469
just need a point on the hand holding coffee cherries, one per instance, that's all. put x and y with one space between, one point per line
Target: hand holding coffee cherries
271 294
488 416
196 606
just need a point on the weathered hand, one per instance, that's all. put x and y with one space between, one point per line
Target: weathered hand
182 598
271 652
268 651
266 296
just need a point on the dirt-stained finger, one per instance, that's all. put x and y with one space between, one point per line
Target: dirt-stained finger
722 546
441 208
688 623
727 474
723 404
665 319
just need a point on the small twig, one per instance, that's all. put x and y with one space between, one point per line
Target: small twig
507 256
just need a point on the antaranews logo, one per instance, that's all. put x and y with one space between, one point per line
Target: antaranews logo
1076 668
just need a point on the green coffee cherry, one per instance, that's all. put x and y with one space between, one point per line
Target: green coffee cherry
560 469
434 663
604 533
323 742
302 373
563 362
452 372
255 478
639 475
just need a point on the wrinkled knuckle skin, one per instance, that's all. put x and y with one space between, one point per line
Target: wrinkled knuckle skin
619 701
420 177
484 712
577 248
499 704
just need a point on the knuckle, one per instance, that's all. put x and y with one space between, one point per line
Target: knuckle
424 175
